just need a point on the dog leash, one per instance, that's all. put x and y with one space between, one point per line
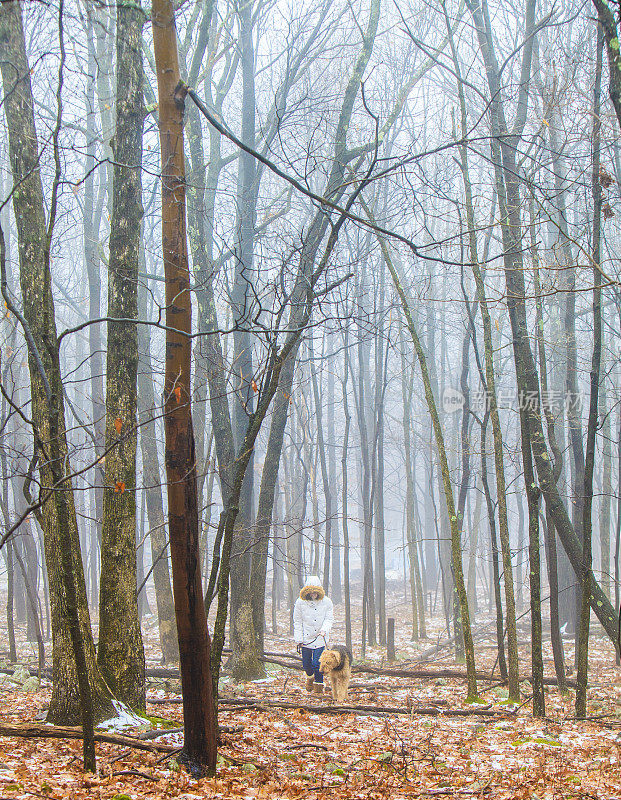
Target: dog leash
302 644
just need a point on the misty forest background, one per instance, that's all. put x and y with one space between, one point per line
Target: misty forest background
387 351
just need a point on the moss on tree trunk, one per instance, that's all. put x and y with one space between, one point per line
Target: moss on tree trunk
59 518
121 652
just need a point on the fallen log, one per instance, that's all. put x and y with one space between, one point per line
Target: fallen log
155 734
264 705
416 672
32 731
453 674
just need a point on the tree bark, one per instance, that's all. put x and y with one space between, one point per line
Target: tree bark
489 382
549 531
344 476
74 687
121 653
582 655
152 482
199 752
500 634
407 386
91 223
323 461
245 664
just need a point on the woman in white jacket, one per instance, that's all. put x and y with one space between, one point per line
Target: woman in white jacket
313 615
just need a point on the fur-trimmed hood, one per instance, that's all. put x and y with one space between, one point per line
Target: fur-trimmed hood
313 584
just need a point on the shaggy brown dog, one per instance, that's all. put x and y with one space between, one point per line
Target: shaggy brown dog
336 664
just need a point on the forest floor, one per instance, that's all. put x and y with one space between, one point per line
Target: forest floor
493 751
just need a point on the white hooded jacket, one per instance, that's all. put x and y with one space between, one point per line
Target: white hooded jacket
312 619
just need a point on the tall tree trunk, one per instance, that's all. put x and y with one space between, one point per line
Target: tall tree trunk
78 688
605 502
245 661
199 749
345 521
489 383
91 221
407 386
323 461
582 656
572 393
381 379
456 553
617 559
121 653
10 608
152 481
474 553
500 637
201 204
337 589
549 531
368 464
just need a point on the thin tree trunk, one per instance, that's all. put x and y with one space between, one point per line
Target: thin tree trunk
152 481
199 750
582 656
605 503
344 512
407 385
381 378
533 494
617 574
244 638
500 637
490 389
323 461
91 222
368 464
549 531
10 621
474 547
456 554
337 588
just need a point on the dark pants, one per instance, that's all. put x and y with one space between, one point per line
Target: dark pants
310 662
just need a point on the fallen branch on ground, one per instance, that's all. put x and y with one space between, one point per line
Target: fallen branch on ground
155 734
453 674
32 731
294 662
264 705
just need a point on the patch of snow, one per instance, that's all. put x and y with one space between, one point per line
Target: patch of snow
124 719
